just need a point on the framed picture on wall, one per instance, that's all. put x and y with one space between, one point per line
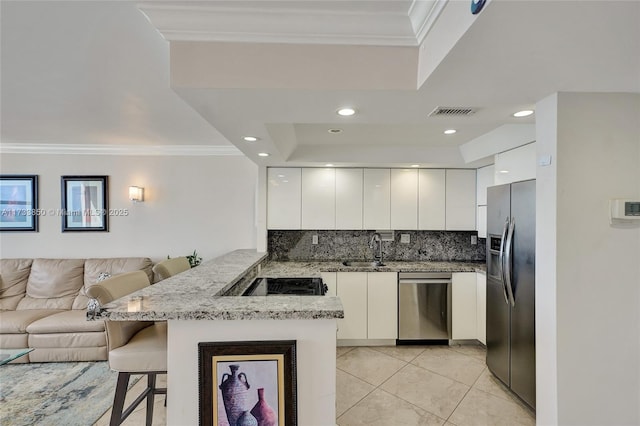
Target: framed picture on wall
248 383
19 203
85 203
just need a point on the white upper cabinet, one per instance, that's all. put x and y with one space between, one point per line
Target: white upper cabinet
404 199
284 197
349 198
431 200
461 200
485 180
377 199
516 164
482 221
318 198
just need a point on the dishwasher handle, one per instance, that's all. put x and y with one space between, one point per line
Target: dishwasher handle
423 281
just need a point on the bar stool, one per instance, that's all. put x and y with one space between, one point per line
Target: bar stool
170 267
135 347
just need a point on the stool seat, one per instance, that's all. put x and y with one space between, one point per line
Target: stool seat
145 352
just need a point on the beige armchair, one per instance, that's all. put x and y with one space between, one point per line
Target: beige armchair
170 267
135 347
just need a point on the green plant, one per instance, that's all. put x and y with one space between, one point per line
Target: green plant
194 259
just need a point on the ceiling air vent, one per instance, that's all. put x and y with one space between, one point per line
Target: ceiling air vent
452 111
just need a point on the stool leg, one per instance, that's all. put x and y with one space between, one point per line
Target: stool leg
151 384
118 400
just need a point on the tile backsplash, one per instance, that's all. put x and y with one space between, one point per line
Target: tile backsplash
354 245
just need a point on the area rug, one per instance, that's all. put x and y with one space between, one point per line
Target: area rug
61 393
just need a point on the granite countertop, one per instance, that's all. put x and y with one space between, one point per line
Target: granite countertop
198 294
315 269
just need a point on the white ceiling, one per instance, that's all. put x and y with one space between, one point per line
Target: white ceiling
100 73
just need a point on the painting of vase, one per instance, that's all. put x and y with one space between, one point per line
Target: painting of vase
248 391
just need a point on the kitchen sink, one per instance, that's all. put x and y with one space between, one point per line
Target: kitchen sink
362 264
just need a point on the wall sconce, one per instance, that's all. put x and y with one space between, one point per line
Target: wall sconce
136 194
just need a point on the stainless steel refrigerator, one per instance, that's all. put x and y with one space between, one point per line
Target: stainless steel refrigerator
511 236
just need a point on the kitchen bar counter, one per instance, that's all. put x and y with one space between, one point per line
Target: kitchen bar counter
199 294
315 269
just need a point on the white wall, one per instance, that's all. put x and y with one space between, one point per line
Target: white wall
205 203
315 362
596 265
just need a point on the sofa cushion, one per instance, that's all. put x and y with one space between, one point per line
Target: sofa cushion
65 322
98 353
14 274
53 284
68 340
16 322
113 266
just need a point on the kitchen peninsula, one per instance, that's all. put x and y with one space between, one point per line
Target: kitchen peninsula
199 308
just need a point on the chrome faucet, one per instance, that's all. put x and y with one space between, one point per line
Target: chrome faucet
376 256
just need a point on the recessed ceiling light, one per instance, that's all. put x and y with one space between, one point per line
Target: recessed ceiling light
415 165
280 176
328 165
263 154
523 113
250 138
504 171
346 111
334 131
450 131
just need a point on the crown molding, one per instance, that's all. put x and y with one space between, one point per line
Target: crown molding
423 16
179 21
105 149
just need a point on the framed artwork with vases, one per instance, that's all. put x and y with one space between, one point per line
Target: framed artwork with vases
249 383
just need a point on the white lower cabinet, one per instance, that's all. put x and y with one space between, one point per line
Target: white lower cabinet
464 306
352 290
481 314
382 303
370 302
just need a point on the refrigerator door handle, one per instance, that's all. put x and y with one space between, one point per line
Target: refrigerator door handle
501 260
507 260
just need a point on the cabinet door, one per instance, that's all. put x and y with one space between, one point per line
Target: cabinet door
431 199
352 290
485 180
516 164
404 199
382 303
283 198
318 198
331 280
463 306
377 199
461 200
482 221
481 307
349 198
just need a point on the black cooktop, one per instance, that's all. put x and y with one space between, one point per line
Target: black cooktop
286 286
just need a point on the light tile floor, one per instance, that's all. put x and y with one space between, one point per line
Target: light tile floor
405 385
423 385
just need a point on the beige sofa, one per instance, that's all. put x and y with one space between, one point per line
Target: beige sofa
43 306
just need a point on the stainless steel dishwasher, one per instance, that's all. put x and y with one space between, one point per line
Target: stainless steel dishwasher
424 307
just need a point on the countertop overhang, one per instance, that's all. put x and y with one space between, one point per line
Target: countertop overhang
199 294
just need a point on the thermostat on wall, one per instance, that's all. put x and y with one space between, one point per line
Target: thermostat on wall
625 210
